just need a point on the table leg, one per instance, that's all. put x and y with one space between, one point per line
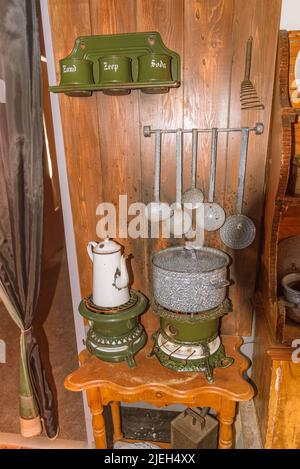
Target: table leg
226 417
98 422
116 418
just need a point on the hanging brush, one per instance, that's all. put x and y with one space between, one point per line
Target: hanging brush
248 95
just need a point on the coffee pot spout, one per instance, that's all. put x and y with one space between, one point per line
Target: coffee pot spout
122 279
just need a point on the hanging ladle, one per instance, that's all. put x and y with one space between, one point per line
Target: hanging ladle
239 231
193 195
180 222
157 211
213 214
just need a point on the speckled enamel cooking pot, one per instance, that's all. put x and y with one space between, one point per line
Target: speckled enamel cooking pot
189 280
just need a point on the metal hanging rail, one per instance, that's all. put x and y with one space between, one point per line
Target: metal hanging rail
258 129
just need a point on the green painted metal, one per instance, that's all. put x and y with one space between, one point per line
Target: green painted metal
206 365
184 332
154 67
133 61
115 69
192 329
116 317
192 318
76 71
116 336
119 348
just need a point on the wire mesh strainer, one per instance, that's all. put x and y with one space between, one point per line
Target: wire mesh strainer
239 231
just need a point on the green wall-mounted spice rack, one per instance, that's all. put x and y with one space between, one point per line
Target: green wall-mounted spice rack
117 64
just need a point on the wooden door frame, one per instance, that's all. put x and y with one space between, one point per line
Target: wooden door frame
65 201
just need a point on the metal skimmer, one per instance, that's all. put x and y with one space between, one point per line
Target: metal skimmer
239 231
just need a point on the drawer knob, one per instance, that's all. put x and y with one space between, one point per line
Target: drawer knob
158 394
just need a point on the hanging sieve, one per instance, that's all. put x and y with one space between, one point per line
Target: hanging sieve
239 231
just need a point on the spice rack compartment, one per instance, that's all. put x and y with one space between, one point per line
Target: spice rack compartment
117 64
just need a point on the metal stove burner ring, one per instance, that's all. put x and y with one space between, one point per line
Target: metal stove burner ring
88 302
203 316
115 341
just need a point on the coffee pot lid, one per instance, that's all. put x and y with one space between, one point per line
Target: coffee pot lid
107 246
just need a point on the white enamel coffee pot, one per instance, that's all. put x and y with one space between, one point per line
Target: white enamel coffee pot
110 276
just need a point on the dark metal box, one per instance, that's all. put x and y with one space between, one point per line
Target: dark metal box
194 429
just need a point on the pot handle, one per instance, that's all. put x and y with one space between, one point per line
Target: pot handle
220 284
289 304
90 246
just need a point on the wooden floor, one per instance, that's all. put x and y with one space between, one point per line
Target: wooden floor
11 447
15 441
59 352
245 428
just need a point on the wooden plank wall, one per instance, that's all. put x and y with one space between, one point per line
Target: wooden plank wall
106 152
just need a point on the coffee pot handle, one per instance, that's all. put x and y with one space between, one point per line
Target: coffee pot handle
90 246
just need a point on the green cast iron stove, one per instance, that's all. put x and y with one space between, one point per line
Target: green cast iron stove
115 334
190 341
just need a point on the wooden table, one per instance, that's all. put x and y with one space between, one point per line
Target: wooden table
112 383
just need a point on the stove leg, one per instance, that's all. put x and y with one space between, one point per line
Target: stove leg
116 418
131 361
98 422
153 350
208 371
226 417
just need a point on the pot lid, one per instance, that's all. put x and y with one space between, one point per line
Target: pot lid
108 246
190 261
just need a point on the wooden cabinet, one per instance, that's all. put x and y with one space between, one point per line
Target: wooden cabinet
282 211
277 380
275 373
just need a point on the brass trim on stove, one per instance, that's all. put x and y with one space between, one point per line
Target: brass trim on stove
88 302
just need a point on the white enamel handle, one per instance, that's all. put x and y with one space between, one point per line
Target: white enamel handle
90 246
